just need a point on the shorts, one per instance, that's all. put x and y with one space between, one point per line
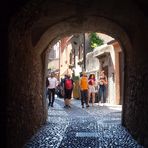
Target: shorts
67 94
92 89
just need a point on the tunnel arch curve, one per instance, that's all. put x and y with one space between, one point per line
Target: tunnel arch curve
25 57
63 28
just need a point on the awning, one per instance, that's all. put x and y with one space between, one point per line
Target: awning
102 52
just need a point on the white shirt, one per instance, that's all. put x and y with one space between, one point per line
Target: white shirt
52 83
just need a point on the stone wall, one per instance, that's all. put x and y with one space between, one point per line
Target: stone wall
27 110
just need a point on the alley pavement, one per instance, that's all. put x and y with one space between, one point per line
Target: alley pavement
77 127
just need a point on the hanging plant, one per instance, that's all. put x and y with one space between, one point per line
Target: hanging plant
95 40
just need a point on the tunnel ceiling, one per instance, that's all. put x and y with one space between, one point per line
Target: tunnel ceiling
38 16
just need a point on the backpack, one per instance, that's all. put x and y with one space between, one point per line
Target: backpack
68 84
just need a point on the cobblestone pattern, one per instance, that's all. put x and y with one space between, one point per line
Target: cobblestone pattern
93 127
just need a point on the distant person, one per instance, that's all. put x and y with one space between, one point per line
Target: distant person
51 89
47 84
68 88
62 84
91 92
102 87
83 83
59 90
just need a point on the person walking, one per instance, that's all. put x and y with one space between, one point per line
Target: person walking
47 84
68 88
102 87
83 83
51 89
91 92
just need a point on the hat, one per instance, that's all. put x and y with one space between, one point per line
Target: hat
83 73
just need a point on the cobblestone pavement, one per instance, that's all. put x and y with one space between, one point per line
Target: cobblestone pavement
93 127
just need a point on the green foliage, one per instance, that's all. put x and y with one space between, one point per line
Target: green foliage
75 78
95 40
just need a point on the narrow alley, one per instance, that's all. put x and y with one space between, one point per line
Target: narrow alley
30 29
93 127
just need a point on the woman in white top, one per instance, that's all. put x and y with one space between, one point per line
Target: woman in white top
102 87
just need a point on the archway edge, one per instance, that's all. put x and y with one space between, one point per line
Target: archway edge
73 25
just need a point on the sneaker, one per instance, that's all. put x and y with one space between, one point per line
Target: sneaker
66 106
87 105
51 105
82 106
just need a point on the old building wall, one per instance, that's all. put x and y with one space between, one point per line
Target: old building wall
118 74
26 104
38 24
92 63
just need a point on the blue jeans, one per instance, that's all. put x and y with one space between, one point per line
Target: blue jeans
84 97
102 93
51 95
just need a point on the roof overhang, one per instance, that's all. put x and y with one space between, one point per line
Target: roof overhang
105 51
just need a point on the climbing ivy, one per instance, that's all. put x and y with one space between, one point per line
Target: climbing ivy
95 40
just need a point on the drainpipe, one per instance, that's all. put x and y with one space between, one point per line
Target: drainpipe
84 54
59 60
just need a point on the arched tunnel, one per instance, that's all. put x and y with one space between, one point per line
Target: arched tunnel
30 27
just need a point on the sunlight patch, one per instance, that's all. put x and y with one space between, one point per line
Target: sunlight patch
86 134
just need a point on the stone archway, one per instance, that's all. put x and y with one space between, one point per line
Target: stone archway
30 34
